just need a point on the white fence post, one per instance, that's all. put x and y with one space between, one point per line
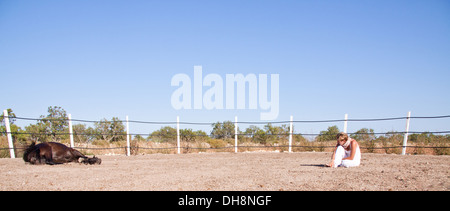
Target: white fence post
8 133
178 134
235 135
128 137
290 134
345 123
71 131
405 138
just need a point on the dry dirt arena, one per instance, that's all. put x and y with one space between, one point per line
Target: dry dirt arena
258 171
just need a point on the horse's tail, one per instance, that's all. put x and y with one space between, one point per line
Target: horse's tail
28 150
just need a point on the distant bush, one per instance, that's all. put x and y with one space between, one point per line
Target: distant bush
217 143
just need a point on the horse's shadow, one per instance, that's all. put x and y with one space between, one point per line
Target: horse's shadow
315 165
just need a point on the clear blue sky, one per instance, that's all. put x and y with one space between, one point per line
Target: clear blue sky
100 59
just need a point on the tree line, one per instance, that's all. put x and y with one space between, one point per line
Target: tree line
54 127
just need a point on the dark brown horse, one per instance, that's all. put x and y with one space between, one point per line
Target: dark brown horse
55 153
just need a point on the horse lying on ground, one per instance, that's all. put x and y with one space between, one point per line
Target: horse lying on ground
55 153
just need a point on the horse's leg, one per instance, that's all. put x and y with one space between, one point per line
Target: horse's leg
49 159
40 157
77 155
46 155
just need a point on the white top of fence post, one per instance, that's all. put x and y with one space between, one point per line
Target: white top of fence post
8 133
405 138
345 123
71 131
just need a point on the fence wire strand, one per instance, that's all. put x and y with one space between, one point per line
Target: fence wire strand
242 122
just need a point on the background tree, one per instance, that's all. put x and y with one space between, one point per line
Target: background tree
55 124
276 133
269 134
165 134
139 138
364 134
256 134
366 138
261 136
251 131
83 134
110 131
16 131
187 135
329 134
11 116
223 130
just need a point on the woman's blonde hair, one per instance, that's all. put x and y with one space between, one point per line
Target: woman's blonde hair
341 136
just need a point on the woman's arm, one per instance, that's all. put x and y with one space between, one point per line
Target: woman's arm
353 152
333 156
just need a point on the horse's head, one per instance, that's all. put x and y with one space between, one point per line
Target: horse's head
91 161
31 154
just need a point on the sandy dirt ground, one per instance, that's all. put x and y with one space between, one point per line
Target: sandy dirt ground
230 171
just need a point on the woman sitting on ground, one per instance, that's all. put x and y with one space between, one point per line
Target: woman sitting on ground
346 153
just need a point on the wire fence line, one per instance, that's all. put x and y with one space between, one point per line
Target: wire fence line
241 122
238 122
231 147
237 134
